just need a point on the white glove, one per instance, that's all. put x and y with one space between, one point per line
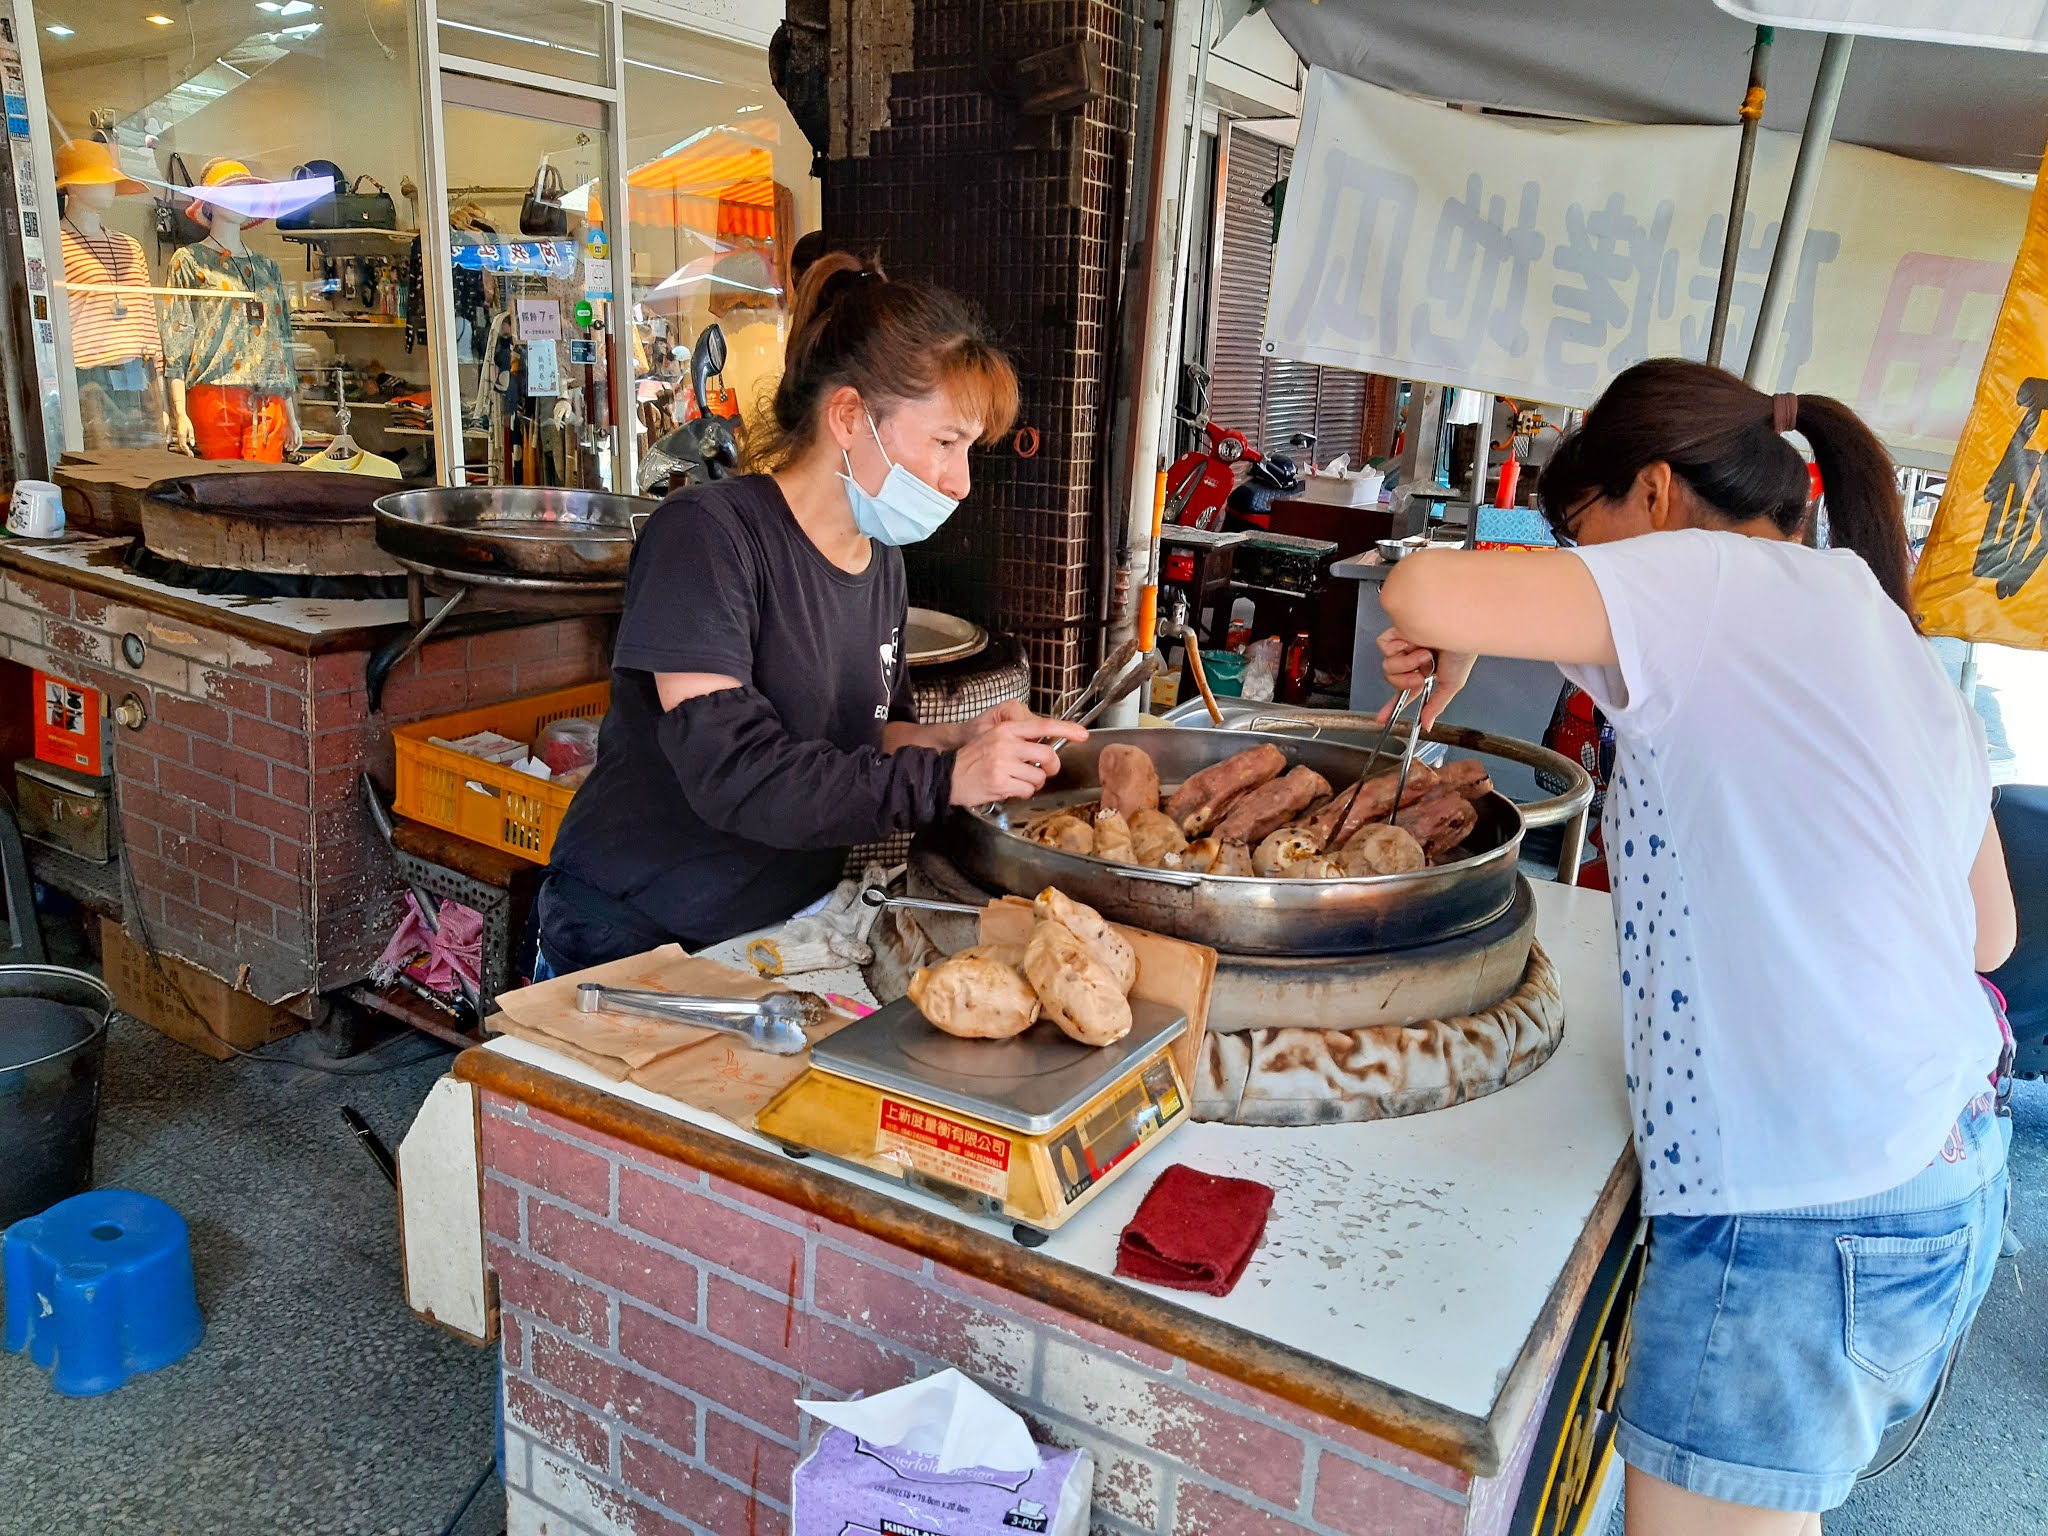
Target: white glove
832 938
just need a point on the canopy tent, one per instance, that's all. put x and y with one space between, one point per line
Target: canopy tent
1685 61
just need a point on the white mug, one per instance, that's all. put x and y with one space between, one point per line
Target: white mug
36 511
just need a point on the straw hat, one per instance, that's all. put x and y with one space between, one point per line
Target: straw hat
223 172
89 163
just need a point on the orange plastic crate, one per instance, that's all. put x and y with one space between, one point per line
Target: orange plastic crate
482 801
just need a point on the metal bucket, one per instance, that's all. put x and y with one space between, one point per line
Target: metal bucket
53 1044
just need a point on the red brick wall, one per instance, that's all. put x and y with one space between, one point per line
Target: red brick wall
240 817
660 1324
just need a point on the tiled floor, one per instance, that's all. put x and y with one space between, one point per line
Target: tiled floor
316 1403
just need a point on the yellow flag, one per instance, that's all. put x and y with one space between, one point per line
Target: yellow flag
1984 574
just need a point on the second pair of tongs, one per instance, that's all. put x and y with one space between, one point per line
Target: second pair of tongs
1124 670
1419 697
774 1024
1121 673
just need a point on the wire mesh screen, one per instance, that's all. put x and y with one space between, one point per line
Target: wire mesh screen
947 694
1024 216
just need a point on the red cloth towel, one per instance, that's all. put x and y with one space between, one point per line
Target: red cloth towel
1194 1231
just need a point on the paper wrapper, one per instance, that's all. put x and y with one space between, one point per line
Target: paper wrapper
702 1067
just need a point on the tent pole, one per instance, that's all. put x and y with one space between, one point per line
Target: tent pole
1799 198
1738 199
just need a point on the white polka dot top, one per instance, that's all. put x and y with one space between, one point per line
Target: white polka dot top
1797 799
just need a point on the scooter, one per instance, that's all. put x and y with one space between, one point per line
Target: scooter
704 448
1200 483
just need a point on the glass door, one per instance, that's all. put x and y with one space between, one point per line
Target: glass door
531 277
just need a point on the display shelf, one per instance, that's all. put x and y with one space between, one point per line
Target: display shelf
354 405
352 242
314 322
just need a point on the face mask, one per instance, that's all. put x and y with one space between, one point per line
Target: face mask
904 511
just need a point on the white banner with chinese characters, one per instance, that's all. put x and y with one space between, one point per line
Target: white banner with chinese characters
1540 259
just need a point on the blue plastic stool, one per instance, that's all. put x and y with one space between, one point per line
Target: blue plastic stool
100 1287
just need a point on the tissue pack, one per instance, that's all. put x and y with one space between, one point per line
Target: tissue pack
939 1457
849 1486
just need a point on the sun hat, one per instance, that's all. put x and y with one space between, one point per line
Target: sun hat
89 163
223 172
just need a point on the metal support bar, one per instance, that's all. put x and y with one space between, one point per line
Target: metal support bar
1738 198
1799 196
1185 30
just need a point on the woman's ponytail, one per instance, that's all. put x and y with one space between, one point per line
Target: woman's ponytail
1862 495
890 341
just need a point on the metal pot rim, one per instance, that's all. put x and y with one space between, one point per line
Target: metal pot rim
103 1004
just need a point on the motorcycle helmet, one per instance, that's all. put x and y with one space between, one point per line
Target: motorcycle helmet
1276 472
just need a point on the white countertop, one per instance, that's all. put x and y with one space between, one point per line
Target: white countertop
1416 1252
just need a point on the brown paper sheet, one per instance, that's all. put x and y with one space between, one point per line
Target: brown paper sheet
701 1067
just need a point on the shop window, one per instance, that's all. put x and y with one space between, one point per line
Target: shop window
719 187
561 38
217 318
531 273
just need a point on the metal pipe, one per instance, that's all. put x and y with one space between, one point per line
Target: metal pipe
1799 196
1738 199
1186 27
1177 283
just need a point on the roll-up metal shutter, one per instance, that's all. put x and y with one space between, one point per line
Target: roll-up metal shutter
1269 400
1340 412
1243 275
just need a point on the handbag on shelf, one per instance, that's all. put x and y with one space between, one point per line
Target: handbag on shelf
318 214
541 211
357 209
173 225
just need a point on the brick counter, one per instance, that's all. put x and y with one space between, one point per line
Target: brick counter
660 1322
241 820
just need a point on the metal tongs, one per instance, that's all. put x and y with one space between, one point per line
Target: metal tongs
1419 697
774 1023
877 896
1121 673
1124 670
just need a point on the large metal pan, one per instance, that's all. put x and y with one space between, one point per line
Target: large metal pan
288 521
1569 809
1234 913
513 531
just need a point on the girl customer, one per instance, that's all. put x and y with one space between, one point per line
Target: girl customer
1806 880
761 718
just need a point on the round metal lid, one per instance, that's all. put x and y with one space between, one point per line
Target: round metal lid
931 637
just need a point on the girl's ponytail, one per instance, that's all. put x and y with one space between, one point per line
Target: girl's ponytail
1727 441
1863 506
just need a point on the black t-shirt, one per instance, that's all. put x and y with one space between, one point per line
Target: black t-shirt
735 809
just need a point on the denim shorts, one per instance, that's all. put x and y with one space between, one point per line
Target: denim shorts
1771 1351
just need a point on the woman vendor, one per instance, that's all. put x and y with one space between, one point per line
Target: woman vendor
1806 881
761 719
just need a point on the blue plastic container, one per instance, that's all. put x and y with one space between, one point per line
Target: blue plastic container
99 1288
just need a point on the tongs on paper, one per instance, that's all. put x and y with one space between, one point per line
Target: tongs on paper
774 1023
1419 697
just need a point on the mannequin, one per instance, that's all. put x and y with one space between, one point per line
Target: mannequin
228 356
115 344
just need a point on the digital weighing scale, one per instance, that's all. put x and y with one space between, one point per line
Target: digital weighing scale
1030 1129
